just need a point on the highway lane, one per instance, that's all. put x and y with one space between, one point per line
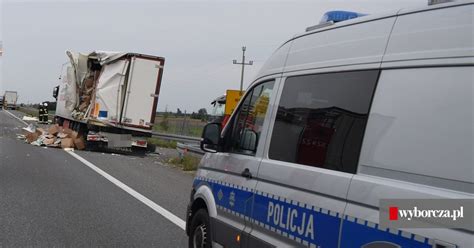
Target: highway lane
144 174
49 198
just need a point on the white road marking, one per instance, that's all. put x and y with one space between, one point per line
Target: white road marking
157 208
16 117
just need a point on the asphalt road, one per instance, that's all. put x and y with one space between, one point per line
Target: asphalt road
49 198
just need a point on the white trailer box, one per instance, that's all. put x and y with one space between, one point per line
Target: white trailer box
110 89
10 99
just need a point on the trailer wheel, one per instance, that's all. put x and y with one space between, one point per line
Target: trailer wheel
138 151
151 148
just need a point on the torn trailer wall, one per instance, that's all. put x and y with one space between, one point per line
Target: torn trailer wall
110 89
115 89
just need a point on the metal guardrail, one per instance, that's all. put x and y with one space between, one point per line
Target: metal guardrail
185 143
175 137
193 148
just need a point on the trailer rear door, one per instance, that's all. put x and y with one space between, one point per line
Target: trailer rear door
143 85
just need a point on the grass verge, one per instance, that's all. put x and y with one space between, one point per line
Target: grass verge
27 111
187 162
162 143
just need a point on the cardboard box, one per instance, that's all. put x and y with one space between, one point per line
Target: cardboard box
89 82
62 135
67 143
30 137
84 106
74 135
70 133
49 141
54 129
86 99
67 130
49 136
80 143
57 143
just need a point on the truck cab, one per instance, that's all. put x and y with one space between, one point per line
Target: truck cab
223 106
10 100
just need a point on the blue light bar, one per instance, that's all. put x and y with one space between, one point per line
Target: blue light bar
339 15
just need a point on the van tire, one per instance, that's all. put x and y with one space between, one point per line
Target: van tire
200 230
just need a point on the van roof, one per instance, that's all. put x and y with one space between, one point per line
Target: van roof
377 16
374 42
382 15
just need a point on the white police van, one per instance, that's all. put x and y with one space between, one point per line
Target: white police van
338 118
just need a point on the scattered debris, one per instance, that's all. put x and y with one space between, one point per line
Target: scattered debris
30 128
29 118
67 143
30 137
54 129
53 136
79 143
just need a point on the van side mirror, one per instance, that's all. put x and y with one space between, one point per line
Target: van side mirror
210 137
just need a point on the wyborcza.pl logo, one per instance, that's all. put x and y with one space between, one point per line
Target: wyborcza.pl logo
416 213
427 213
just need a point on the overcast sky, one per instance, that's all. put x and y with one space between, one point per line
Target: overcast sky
199 39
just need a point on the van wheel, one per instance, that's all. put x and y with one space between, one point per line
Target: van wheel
200 236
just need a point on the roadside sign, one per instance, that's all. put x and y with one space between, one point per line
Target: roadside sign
232 99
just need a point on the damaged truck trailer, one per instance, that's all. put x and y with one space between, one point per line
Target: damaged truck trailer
110 98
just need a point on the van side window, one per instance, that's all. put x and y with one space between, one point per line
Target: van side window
249 120
421 126
321 119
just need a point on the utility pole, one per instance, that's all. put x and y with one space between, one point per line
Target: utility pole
243 67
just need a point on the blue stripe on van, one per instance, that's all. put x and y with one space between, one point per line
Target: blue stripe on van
308 225
304 223
358 235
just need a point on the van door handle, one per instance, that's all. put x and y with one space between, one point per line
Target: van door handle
246 173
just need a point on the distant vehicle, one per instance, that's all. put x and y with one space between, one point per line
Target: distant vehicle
9 99
1 101
217 109
110 98
339 118
223 106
